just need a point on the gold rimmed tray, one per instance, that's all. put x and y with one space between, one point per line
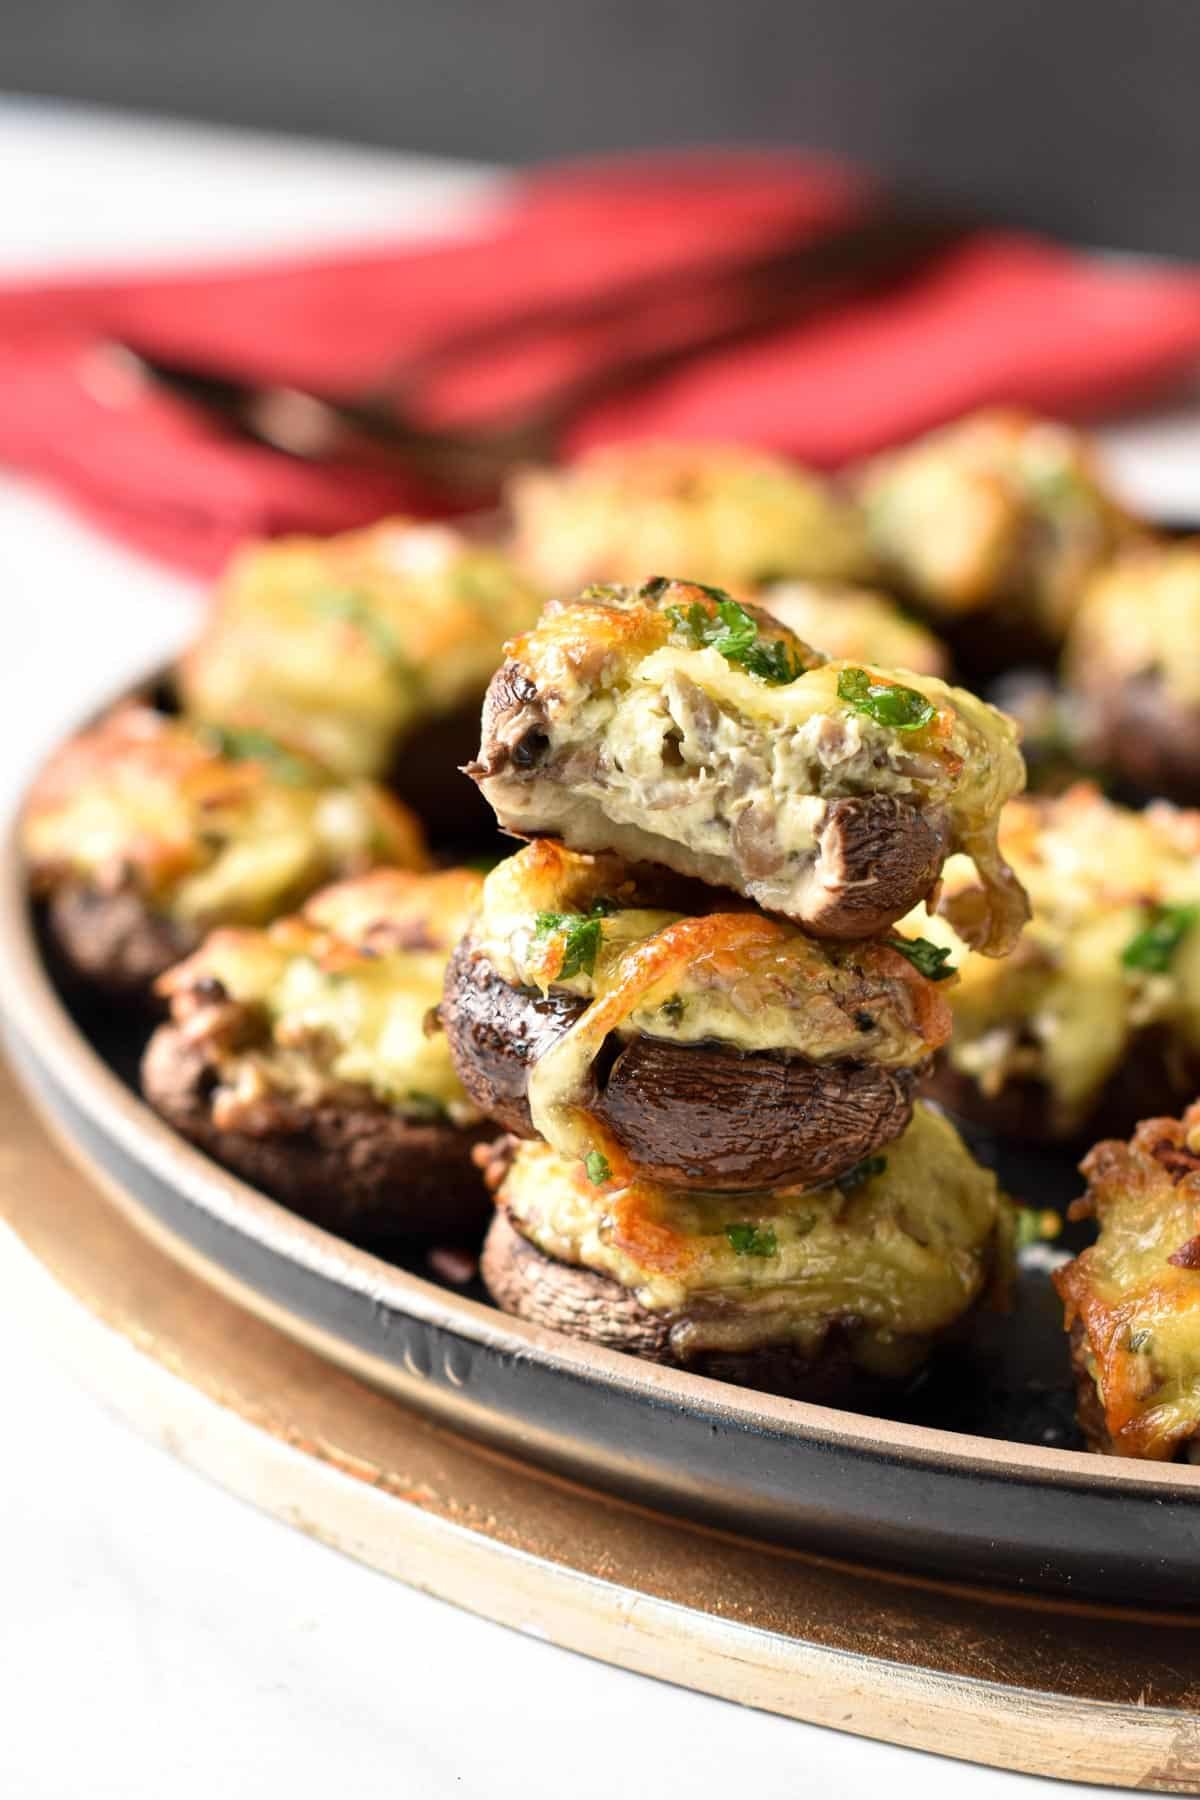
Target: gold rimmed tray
1046 1686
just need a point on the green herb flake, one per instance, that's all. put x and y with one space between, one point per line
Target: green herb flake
887 702
866 1170
583 935
355 609
673 1009
1151 949
597 1166
752 1240
734 634
1140 1340
247 744
930 959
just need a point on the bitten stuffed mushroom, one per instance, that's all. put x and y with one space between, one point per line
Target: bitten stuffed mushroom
1132 1301
619 1012
1132 670
351 646
1095 1017
992 526
670 724
146 831
304 1058
811 1293
720 513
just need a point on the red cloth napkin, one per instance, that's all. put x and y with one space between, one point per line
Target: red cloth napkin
1000 317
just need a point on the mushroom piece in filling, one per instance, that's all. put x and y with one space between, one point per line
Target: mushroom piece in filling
145 831
723 513
1132 1300
1094 1020
347 645
673 725
304 1058
1132 670
624 1014
801 1290
996 520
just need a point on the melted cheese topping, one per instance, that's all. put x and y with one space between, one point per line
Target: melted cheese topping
850 624
1000 509
342 645
731 516
678 741
896 1259
1141 1312
1139 617
1062 1009
339 997
146 800
731 978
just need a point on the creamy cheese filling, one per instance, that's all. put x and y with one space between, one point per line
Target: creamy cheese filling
683 745
335 1012
896 1258
1064 1007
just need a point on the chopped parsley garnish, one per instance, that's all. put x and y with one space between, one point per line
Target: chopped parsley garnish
355 609
673 1008
245 743
597 1166
865 1170
900 708
752 1240
734 633
1139 1340
1152 948
929 959
583 932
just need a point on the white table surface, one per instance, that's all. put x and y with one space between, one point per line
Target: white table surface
158 1638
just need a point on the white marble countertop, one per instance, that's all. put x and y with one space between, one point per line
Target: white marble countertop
156 1636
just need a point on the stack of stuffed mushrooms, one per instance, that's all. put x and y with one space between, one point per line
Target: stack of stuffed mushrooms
686 1002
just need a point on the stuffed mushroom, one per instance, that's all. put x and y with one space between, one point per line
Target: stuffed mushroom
723 514
1095 1016
598 1005
1132 670
992 526
815 1293
305 1059
670 724
1132 1300
358 647
145 831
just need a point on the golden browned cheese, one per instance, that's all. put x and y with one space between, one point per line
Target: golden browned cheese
1135 1294
717 513
344 645
552 918
342 995
895 1254
1141 616
205 826
1064 1007
647 718
853 624
1001 510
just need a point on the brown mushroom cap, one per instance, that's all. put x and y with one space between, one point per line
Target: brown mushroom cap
349 1164
690 1115
111 939
1140 732
876 856
582 1304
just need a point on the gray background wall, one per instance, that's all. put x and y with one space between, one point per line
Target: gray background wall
1079 116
